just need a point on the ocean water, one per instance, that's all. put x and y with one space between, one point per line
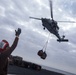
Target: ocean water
11 74
14 70
57 70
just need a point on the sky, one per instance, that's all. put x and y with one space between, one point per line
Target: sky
15 14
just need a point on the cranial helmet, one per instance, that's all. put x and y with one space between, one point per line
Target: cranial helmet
3 45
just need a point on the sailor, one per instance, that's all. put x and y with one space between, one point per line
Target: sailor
5 52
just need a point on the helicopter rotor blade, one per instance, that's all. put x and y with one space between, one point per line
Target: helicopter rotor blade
35 18
67 21
51 9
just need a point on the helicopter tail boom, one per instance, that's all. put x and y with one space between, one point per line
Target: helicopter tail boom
35 18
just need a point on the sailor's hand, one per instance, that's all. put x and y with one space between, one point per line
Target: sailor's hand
18 32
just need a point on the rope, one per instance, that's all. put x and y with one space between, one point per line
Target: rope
45 46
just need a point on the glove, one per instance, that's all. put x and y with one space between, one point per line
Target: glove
18 32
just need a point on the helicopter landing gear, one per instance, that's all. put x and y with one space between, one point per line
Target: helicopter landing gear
63 36
44 28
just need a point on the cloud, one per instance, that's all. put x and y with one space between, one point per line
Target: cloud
15 14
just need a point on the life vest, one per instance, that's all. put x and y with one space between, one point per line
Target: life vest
3 45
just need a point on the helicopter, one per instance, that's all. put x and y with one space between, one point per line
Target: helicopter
52 26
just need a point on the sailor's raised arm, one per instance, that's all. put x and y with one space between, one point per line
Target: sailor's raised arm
9 50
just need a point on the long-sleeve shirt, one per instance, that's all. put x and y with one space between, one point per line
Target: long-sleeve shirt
4 56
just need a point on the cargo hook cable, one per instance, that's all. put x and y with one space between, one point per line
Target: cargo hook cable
45 45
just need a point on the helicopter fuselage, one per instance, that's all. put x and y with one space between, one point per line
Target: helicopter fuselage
51 26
